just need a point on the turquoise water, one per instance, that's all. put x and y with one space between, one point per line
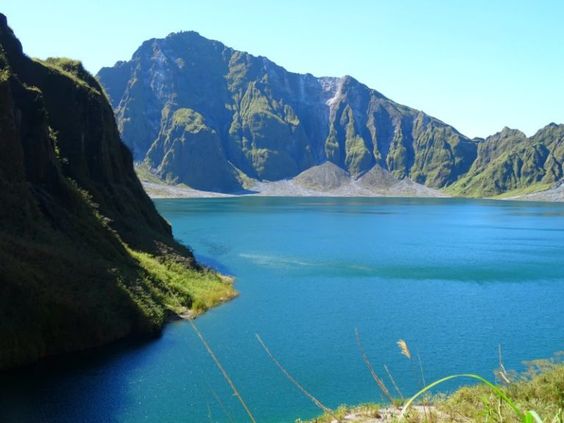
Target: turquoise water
454 278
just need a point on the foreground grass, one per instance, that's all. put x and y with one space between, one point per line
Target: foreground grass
540 388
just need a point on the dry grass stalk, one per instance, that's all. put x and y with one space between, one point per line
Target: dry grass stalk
502 373
376 378
209 413
222 370
396 387
404 348
423 382
220 403
318 403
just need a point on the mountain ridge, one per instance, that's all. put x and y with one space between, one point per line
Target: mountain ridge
200 113
269 123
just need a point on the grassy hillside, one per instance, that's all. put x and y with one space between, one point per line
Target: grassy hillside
510 164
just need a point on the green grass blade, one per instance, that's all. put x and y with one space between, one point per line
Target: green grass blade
532 417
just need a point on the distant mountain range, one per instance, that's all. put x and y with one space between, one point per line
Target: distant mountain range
200 113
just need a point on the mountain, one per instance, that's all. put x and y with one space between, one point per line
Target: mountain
200 113
85 258
509 162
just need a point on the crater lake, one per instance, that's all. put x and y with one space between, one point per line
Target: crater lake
456 279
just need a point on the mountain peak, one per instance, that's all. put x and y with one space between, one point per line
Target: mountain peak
349 78
551 130
509 132
190 37
8 39
189 33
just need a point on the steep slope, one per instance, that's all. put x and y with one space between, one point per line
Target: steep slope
184 100
509 162
84 256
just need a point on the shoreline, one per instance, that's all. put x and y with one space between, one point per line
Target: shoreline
191 314
274 189
164 191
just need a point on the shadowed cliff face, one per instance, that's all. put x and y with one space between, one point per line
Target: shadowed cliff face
257 118
72 212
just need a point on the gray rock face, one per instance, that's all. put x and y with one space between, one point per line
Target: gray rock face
184 100
324 177
330 180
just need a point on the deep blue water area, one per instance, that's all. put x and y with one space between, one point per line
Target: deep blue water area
454 278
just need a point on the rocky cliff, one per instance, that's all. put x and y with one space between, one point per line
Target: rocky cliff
84 255
200 113
204 114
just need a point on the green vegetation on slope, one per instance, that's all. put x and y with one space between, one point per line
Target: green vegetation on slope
182 290
260 120
85 257
189 149
509 164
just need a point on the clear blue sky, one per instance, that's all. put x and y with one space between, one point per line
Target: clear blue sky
478 65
